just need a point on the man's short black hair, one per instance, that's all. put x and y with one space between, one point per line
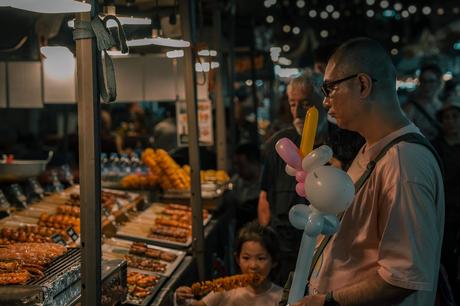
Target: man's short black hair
433 68
324 52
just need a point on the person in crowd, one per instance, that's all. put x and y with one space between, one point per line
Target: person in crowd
448 147
246 183
277 193
165 131
451 89
422 106
387 250
256 251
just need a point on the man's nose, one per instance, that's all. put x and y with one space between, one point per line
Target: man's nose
326 103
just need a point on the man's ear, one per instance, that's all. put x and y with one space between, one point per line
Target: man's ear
366 83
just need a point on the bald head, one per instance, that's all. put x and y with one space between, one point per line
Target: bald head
365 55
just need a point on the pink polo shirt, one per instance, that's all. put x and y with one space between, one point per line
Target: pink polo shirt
394 226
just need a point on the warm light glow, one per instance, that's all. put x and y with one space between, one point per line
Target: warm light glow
286 28
370 2
201 67
395 38
214 65
248 82
286 48
175 53
370 13
48 6
336 15
268 3
323 15
167 42
330 8
394 51
384 4
404 14
412 9
324 33
312 13
447 76
295 30
59 63
440 11
426 10
269 19
397 6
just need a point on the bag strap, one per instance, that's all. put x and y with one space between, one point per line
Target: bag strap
410 138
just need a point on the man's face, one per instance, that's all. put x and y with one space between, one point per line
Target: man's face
429 84
450 121
295 96
343 101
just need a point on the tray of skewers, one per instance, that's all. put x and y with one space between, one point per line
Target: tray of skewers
142 287
169 225
143 256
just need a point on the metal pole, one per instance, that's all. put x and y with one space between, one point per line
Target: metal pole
187 9
231 78
221 127
255 99
90 182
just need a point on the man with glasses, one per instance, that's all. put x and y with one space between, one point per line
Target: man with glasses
422 106
387 249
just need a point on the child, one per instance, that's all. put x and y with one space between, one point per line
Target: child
256 252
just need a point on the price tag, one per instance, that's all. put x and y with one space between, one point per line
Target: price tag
37 189
72 233
105 212
18 195
3 201
57 238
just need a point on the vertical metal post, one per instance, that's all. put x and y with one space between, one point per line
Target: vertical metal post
255 99
187 9
90 182
221 127
231 77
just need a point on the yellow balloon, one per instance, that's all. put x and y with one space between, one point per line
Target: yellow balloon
309 131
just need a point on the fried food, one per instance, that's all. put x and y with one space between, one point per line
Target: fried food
225 283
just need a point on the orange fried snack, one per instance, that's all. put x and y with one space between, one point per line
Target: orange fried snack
225 283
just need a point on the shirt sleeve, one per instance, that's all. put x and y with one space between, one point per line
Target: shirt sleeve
410 243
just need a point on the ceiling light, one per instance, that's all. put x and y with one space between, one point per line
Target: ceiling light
324 33
323 14
395 38
248 82
286 28
206 52
48 6
269 19
412 9
214 65
300 3
285 72
312 13
284 61
167 42
426 10
201 67
440 11
394 51
286 48
370 2
336 15
330 8
456 10
384 4
123 20
116 53
397 6
370 13
175 54
296 30
404 14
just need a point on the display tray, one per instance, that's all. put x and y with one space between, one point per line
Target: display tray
139 228
58 276
208 191
119 248
136 301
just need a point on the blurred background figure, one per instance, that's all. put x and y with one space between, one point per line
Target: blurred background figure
448 147
422 106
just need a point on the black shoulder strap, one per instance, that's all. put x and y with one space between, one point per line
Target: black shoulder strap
409 137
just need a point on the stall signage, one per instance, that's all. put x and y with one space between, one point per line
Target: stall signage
204 116
72 234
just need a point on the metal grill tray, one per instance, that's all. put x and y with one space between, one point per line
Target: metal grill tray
148 299
59 275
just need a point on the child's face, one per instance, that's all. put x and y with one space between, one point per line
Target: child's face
254 258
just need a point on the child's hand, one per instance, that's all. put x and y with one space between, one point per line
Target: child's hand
183 295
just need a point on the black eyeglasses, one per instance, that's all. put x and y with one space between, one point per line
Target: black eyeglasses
327 87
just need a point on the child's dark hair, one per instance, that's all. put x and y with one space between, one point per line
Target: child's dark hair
253 231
